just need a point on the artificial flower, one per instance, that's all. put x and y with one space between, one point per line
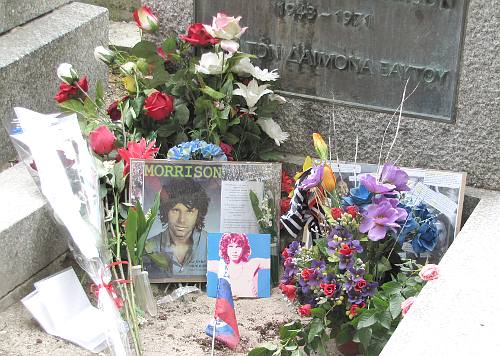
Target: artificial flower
197 35
320 146
196 149
102 140
352 210
358 196
284 205
139 150
161 53
380 218
328 288
307 273
159 106
212 63
145 19
113 111
336 213
273 130
128 68
305 310
425 239
287 183
67 73
67 92
374 186
225 27
227 149
429 272
313 178
406 305
104 55
329 181
229 45
395 176
278 98
252 92
289 290
243 68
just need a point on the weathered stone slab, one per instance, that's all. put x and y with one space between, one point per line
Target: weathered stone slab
30 56
29 237
15 13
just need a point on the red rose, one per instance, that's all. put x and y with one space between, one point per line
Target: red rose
360 285
113 111
354 309
287 183
336 213
227 149
67 91
159 106
305 310
306 273
345 250
289 290
352 210
285 253
198 36
328 289
284 205
102 140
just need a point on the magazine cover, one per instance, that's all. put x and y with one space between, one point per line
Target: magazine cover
196 198
247 258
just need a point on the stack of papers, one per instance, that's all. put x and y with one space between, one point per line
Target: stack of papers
62 308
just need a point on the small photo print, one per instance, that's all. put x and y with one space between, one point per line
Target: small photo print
247 259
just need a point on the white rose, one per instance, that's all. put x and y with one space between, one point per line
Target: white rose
212 63
244 68
66 73
104 54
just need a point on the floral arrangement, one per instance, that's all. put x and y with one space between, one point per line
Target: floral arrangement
193 97
354 281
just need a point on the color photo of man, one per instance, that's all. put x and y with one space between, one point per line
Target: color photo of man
182 240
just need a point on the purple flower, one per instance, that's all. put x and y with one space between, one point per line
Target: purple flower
374 186
318 265
293 248
395 176
379 218
357 273
313 178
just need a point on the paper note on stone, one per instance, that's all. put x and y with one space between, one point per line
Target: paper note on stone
443 179
437 200
236 209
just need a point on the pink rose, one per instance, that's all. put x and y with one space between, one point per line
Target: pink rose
305 310
429 272
406 305
102 140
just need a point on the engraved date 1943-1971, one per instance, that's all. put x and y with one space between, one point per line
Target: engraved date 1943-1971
305 11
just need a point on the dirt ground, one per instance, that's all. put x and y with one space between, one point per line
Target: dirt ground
177 330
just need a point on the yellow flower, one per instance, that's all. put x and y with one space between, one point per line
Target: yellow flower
308 163
129 84
329 180
320 146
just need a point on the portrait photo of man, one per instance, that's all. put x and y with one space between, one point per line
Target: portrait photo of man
183 238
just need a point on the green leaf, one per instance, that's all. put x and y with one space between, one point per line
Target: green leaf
160 260
344 334
379 302
99 94
383 265
227 88
143 49
131 234
213 93
180 138
72 105
316 327
119 179
255 205
367 318
261 351
391 287
230 138
318 312
364 336
395 305
169 45
385 318
271 156
168 128
182 114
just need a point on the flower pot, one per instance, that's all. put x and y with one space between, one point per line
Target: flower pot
349 348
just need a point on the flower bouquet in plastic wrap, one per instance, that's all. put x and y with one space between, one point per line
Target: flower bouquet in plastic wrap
348 277
57 155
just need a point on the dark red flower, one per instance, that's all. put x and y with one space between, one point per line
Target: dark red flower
346 250
113 111
289 290
352 210
197 35
305 310
284 205
328 288
287 183
360 285
159 106
336 213
67 91
227 149
354 309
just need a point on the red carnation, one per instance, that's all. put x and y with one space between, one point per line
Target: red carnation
305 310
284 205
159 106
336 213
198 36
352 210
289 290
137 150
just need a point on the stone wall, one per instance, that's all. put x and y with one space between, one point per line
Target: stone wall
471 144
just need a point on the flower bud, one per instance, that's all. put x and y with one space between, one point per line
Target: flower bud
66 73
128 68
142 65
320 146
145 19
104 54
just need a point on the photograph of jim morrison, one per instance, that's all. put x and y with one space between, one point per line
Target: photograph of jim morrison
181 231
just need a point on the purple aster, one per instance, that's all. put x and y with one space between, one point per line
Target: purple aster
293 248
357 273
315 264
395 176
379 218
374 186
313 178
345 262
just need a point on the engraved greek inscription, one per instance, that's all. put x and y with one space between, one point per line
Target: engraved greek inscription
293 55
322 59
443 4
341 62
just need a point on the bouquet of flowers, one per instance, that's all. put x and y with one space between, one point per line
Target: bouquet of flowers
353 280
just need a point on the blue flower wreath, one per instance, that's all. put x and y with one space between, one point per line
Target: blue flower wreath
196 149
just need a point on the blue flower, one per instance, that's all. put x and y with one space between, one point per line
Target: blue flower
196 149
426 238
358 196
